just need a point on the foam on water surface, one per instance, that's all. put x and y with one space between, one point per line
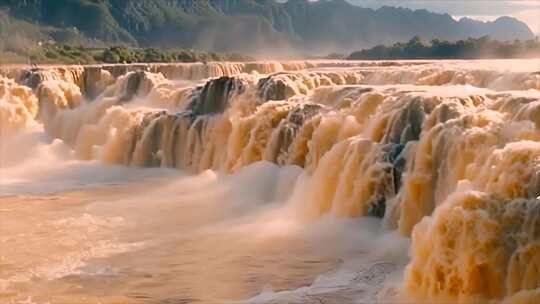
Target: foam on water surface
271 182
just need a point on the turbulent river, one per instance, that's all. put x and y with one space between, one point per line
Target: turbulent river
267 182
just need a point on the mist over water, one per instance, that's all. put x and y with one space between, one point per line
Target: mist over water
269 182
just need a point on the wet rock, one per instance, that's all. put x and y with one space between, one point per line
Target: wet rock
272 88
215 95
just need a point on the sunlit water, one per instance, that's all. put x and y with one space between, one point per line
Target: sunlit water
120 235
301 182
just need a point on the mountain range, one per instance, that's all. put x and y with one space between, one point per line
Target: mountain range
251 26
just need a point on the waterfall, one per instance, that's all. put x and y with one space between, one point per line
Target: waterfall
444 153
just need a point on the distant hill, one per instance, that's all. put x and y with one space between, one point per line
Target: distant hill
264 27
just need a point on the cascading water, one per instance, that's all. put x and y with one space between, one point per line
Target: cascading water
442 153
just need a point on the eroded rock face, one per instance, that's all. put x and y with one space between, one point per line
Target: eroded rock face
271 88
215 95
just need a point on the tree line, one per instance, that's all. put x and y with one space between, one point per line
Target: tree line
483 47
50 53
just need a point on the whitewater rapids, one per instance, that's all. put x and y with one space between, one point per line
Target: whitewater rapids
269 182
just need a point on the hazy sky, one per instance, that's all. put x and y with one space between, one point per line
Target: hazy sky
527 11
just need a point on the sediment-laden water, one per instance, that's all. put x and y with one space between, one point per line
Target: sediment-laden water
267 182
